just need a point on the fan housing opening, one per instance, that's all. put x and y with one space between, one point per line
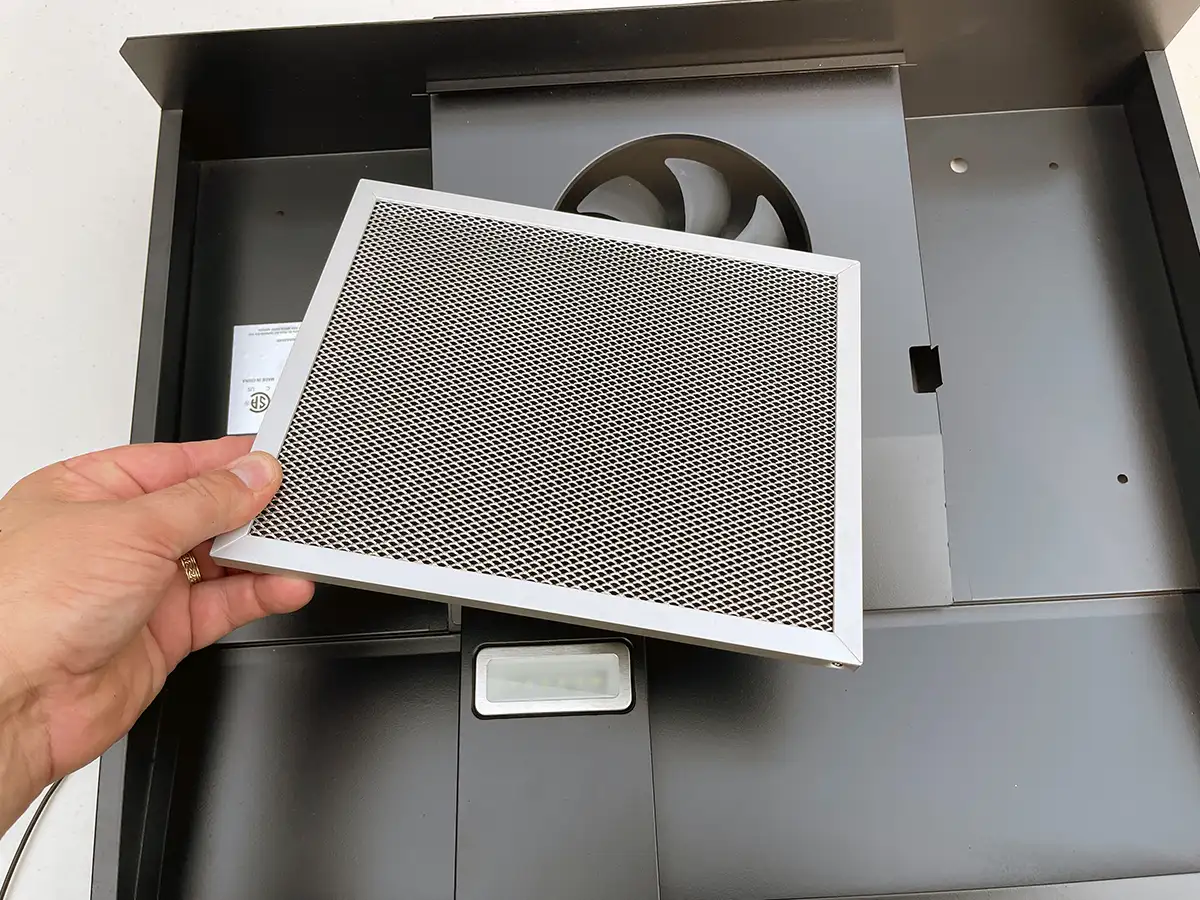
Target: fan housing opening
690 183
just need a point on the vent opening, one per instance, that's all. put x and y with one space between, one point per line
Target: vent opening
693 184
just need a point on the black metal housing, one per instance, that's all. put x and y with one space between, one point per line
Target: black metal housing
323 754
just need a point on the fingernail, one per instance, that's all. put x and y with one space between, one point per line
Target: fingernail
255 471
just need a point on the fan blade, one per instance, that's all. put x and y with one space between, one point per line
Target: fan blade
764 226
705 195
626 200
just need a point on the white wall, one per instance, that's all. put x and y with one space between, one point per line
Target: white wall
1184 56
77 143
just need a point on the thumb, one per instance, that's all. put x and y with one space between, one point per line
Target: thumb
189 513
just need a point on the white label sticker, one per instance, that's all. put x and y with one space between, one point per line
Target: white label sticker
259 352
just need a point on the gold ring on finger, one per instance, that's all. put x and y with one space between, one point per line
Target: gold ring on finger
190 568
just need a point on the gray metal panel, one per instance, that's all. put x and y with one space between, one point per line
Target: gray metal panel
966 56
164 315
1168 159
263 231
837 141
981 746
668 73
1162 887
1061 355
553 806
1168 166
110 811
326 775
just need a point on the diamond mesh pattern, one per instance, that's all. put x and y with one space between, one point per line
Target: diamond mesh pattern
573 410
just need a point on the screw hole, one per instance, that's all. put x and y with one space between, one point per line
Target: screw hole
959 165
279 212
1122 478
1054 165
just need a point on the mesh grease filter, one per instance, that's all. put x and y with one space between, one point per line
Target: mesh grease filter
571 404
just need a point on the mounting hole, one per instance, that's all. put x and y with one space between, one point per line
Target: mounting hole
279 212
1054 166
1122 478
959 165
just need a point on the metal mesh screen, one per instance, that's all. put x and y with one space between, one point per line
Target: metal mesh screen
573 410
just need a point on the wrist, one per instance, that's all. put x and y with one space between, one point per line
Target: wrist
22 770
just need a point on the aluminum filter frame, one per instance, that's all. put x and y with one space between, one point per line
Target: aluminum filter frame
316 529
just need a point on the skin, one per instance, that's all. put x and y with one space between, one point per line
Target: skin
95 610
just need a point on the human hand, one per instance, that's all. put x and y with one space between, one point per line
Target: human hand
95 610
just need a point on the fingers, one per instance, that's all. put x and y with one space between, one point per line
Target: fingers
152 467
177 518
125 472
220 606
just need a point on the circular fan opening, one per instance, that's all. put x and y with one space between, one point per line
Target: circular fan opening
689 183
